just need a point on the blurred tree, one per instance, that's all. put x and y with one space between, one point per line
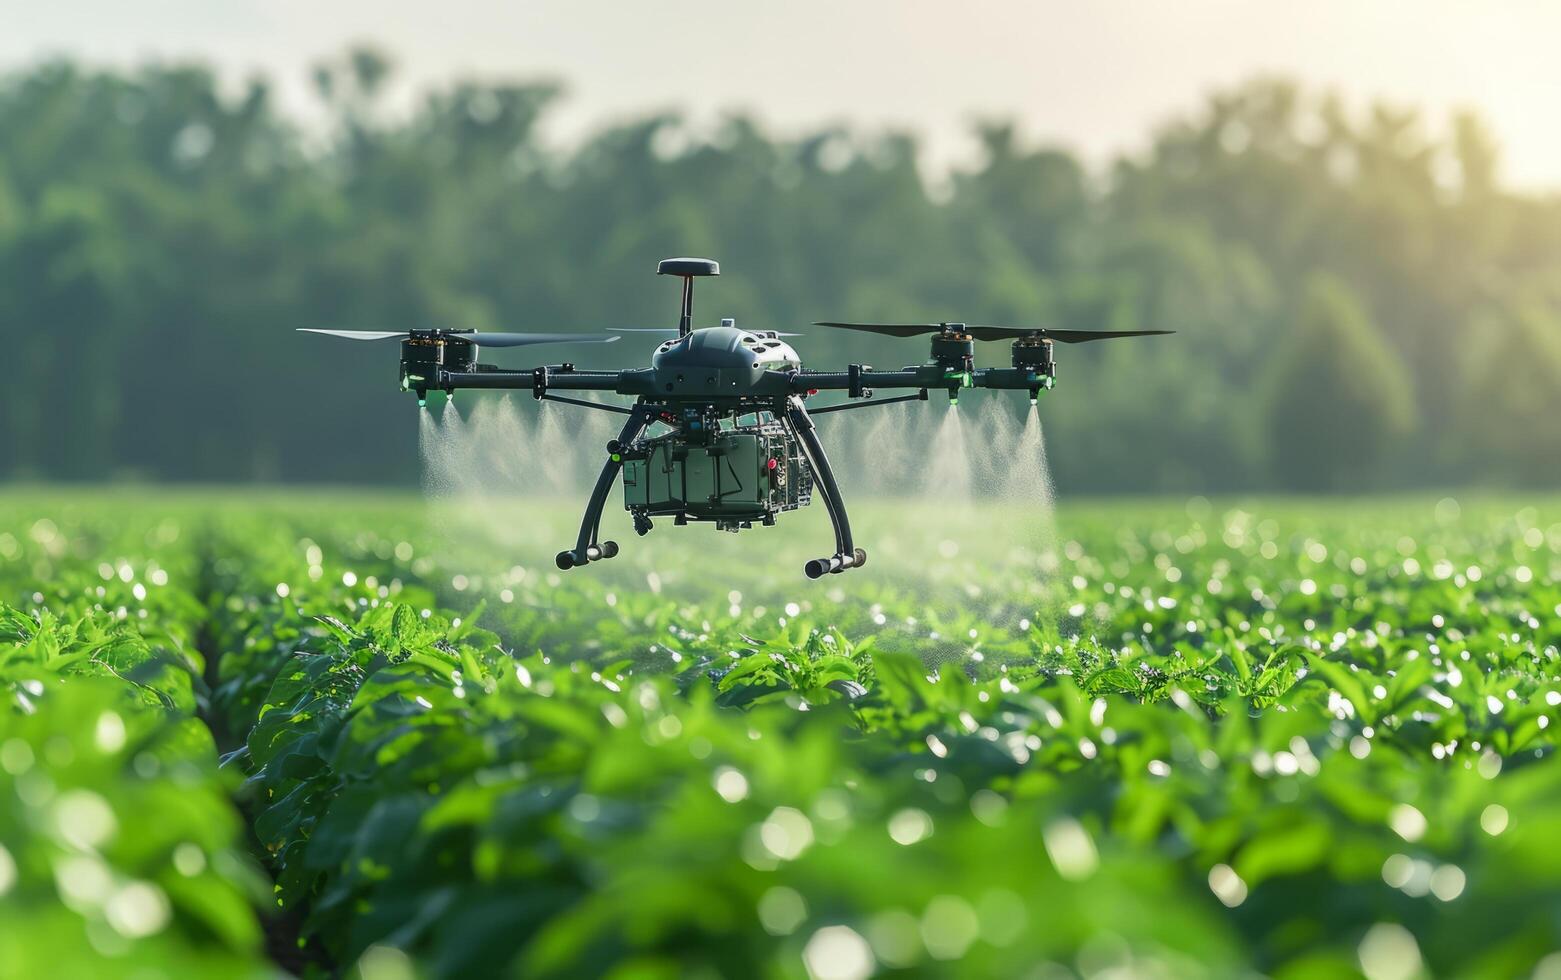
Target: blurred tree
161 236
1338 397
1512 395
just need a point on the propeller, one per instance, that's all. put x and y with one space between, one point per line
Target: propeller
983 332
480 339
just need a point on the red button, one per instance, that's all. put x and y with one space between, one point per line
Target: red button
773 464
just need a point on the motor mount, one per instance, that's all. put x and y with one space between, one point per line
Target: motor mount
424 353
1035 354
953 349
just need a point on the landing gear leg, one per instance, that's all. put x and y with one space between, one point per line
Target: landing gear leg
587 548
846 555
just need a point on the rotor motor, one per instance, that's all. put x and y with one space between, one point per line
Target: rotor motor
954 351
1035 354
425 353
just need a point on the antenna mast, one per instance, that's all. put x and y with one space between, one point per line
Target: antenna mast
687 269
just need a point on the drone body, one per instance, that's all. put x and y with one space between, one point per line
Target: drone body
737 444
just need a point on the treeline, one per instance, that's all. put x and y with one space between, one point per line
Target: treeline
1359 305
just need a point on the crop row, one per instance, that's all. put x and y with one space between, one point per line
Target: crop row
121 853
1302 753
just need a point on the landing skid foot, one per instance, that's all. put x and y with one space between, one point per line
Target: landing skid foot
565 560
835 564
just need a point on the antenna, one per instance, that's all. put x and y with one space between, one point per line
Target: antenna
687 269
686 321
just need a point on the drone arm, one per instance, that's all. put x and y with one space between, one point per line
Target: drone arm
860 377
1011 379
562 377
924 376
572 380
859 380
576 380
1033 379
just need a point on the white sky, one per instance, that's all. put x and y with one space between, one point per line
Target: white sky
1097 75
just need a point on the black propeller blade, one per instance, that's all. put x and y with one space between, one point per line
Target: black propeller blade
985 332
480 339
887 329
981 332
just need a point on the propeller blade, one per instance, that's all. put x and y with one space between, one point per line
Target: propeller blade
527 339
356 334
888 329
480 339
1060 336
987 332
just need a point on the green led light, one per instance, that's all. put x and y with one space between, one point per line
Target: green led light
616 458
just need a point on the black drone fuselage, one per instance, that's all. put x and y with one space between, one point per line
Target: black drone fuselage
738 444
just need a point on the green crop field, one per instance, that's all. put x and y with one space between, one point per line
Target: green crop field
343 734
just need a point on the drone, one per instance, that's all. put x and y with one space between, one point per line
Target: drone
719 430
